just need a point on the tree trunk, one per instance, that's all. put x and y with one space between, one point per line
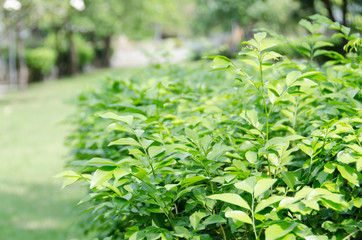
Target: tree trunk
72 63
12 58
107 51
328 5
344 12
23 69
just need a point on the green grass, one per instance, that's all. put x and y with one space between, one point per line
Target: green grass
32 204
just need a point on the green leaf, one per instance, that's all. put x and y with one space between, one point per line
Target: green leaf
292 77
289 178
315 237
247 185
155 150
281 140
260 36
214 219
220 62
102 161
240 216
195 219
278 230
126 119
308 25
262 185
231 198
192 135
125 141
100 177
349 174
267 202
191 180
252 157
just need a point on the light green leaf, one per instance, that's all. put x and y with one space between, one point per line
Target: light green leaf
126 119
349 174
259 36
308 25
262 185
240 216
102 161
192 135
247 185
190 180
315 237
155 150
281 140
292 77
214 219
100 177
278 230
125 141
195 219
251 156
220 62
231 198
267 202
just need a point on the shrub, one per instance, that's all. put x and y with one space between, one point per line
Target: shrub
40 61
189 154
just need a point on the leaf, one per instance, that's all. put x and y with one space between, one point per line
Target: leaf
262 185
214 219
100 177
260 36
289 178
231 198
155 150
125 141
102 161
315 237
267 202
126 119
247 185
292 77
195 219
349 174
308 25
240 216
251 156
278 230
320 44
281 140
220 62
192 135
190 180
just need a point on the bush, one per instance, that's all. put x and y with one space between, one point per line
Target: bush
40 61
189 154
85 51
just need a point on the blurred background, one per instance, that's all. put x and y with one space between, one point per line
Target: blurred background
79 42
48 39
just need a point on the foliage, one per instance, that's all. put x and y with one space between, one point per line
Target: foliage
189 154
42 59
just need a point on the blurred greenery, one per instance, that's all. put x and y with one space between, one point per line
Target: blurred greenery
33 206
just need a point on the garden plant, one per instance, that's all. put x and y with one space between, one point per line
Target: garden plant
265 147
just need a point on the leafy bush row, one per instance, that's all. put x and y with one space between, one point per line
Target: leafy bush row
190 154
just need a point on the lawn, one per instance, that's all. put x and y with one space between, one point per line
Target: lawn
33 206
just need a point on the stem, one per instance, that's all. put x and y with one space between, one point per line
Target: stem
262 94
295 112
252 213
148 158
223 232
350 235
